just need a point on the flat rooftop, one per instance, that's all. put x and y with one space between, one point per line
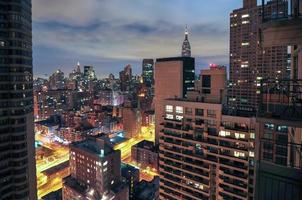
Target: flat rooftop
175 59
146 145
191 100
99 145
56 168
75 185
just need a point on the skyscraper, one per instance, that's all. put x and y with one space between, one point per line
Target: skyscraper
249 61
126 77
89 73
17 149
186 47
148 72
173 77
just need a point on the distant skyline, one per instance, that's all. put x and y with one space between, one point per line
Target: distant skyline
109 34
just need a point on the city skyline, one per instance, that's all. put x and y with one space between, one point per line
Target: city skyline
150 100
150 31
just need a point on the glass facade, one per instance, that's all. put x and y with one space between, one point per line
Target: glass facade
16 100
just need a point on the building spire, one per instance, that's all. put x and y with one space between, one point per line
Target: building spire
186 47
186 32
78 67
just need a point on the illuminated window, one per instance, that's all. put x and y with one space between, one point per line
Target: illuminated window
238 154
179 117
259 78
245 16
244 66
224 133
252 154
179 109
105 169
252 135
245 22
245 44
169 108
105 163
269 126
168 116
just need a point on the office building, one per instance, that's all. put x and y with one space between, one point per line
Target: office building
17 154
145 155
95 171
56 81
250 62
212 83
126 78
148 72
174 77
89 73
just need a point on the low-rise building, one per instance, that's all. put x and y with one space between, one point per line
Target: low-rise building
145 155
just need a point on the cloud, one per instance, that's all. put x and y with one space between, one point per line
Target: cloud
128 30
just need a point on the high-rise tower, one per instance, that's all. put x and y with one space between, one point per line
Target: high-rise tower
249 61
186 47
174 77
17 151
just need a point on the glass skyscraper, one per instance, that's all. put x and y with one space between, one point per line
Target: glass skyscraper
17 153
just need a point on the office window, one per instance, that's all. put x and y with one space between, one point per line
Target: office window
189 111
206 81
169 108
168 116
211 113
179 109
199 112
224 133
179 117
269 126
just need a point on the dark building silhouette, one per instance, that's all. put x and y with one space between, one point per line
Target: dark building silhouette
148 72
17 149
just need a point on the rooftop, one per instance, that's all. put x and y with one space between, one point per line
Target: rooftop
99 145
175 59
56 168
197 100
146 190
75 185
146 145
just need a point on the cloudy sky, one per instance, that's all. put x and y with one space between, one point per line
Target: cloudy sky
109 34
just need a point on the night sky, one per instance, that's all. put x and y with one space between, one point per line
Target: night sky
109 34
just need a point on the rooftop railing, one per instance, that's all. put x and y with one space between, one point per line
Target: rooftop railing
281 153
281 99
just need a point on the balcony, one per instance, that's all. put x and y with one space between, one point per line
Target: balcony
282 100
284 172
284 154
282 22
